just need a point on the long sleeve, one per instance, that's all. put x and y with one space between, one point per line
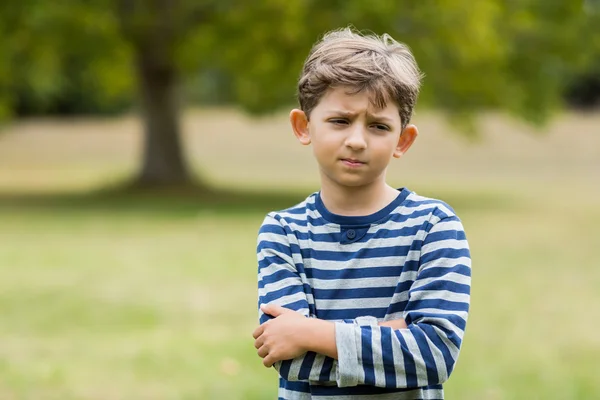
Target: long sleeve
279 282
436 313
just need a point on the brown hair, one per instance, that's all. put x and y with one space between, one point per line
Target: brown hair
378 64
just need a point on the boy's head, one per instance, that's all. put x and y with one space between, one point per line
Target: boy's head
377 65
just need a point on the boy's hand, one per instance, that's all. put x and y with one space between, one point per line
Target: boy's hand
394 324
281 338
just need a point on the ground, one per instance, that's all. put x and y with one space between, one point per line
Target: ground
130 297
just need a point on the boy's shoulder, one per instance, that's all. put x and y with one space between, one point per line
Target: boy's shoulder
436 207
294 214
411 204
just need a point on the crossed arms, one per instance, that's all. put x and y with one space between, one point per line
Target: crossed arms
289 335
419 350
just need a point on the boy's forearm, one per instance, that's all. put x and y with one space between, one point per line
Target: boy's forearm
320 335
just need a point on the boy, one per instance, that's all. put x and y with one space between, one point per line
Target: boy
363 289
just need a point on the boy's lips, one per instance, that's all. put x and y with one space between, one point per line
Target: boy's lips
351 162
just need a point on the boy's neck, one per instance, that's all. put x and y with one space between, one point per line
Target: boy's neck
357 201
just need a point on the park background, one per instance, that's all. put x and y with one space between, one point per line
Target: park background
142 143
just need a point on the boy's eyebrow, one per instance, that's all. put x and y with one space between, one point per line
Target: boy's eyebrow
350 114
341 112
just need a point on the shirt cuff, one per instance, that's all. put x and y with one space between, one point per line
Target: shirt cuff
366 321
348 362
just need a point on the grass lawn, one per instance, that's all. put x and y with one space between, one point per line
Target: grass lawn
129 297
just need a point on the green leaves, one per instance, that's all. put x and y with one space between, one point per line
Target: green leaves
62 55
515 56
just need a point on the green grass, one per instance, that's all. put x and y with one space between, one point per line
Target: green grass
140 300
129 296
105 305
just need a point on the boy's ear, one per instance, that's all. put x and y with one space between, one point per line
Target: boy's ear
299 122
407 138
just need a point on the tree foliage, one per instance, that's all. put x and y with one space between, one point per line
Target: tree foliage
74 55
63 56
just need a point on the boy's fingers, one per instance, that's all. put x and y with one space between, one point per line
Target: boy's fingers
274 310
258 342
258 331
268 361
262 352
269 309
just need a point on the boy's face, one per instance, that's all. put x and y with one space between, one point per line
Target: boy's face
352 140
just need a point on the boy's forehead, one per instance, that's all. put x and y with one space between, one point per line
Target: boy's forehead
346 100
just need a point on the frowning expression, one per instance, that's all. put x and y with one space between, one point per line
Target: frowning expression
353 141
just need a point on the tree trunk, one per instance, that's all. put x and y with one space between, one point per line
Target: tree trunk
163 163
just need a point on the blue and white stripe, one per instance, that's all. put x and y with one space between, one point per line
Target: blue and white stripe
410 260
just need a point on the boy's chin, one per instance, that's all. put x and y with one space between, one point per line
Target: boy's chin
353 183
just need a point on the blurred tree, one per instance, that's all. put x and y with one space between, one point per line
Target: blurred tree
518 56
584 92
154 29
62 57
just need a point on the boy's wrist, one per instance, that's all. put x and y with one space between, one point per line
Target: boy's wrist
309 334
319 336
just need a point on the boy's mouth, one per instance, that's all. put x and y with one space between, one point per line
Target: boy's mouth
351 162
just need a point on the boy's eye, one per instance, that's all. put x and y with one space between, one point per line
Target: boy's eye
381 127
338 121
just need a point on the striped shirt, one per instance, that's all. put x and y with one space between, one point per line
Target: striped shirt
409 260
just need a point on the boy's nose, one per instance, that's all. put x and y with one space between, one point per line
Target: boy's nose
356 138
